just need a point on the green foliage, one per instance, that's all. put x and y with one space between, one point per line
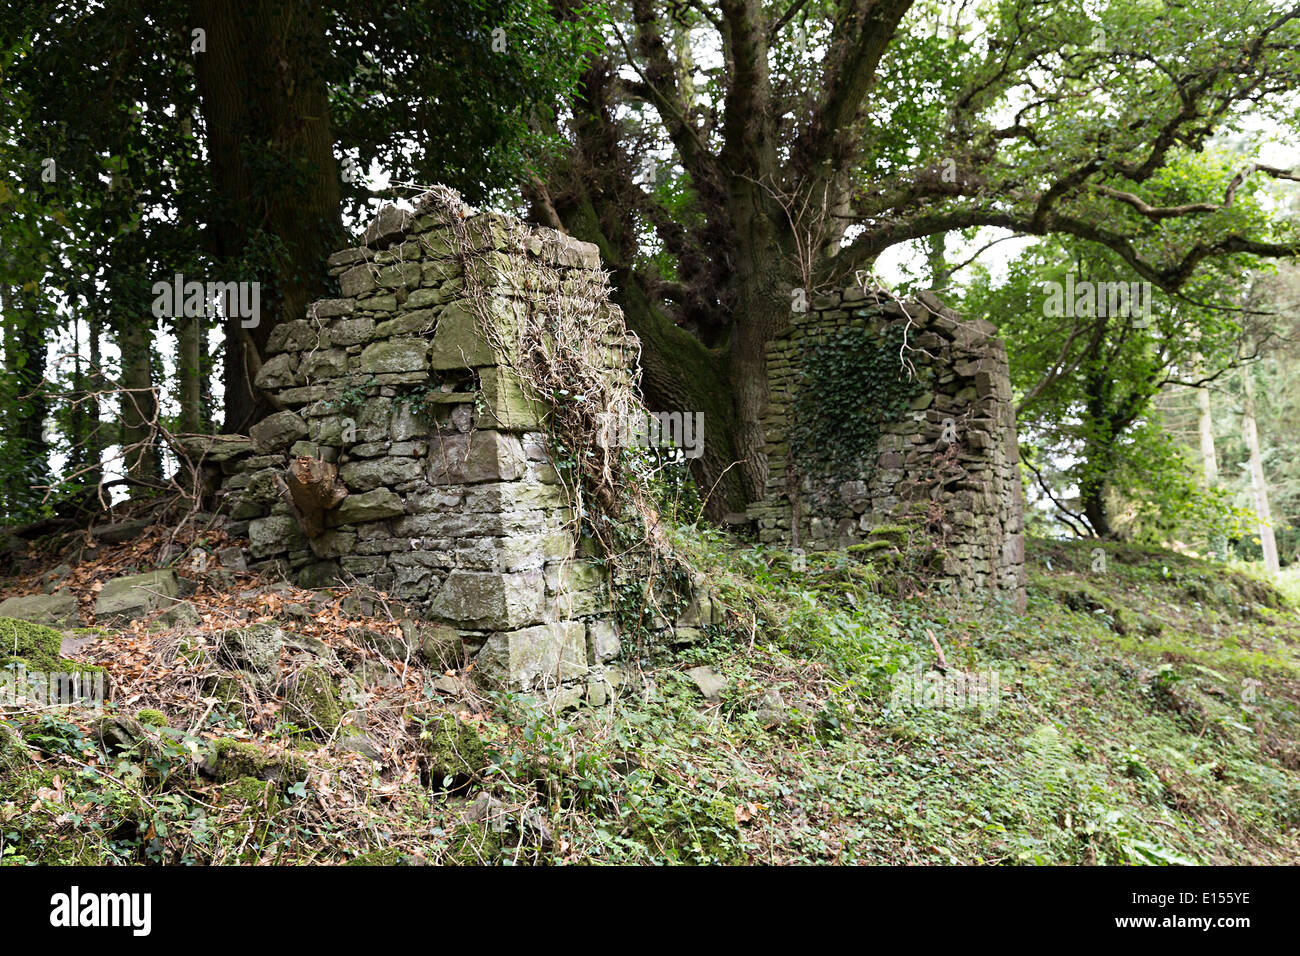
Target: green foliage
352 394
1090 422
1107 746
851 385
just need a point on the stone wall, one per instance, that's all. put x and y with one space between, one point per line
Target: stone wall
453 507
949 463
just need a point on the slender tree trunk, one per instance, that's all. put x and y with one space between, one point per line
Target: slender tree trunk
25 364
80 434
139 406
1257 482
189 372
265 107
94 444
1209 460
207 372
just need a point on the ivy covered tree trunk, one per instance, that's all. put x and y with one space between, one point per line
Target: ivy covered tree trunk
1258 483
1099 438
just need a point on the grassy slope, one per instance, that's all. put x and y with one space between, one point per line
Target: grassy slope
1124 732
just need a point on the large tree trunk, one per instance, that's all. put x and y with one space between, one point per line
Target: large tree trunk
592 197
760 292
266 110
1257 481
680 374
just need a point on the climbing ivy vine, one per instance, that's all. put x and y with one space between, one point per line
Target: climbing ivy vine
850 386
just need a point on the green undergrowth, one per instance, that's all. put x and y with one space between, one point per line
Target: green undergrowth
1142 710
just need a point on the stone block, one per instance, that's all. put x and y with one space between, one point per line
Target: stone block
129 598
279 371
274 534
357 281
57 610
330 308
534 656
295 336
602 641
352 331
396 355
490 601
389 226
373 472
277 432
505 402
458 343
374 505
476 457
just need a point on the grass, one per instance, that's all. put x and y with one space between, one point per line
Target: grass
1146 713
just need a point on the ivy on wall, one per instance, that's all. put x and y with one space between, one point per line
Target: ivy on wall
850 386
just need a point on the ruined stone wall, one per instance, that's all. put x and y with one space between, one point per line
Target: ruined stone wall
948 463
453 506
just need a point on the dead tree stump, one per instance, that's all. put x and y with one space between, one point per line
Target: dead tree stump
313 488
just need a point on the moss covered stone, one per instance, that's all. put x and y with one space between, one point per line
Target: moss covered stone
118 734
58 609
231 686
252 791
255 648
473 844
315 698
35 644
385 856
129 598
454 752
152 718
233 760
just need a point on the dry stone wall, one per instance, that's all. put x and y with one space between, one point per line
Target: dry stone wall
948 463
406 384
